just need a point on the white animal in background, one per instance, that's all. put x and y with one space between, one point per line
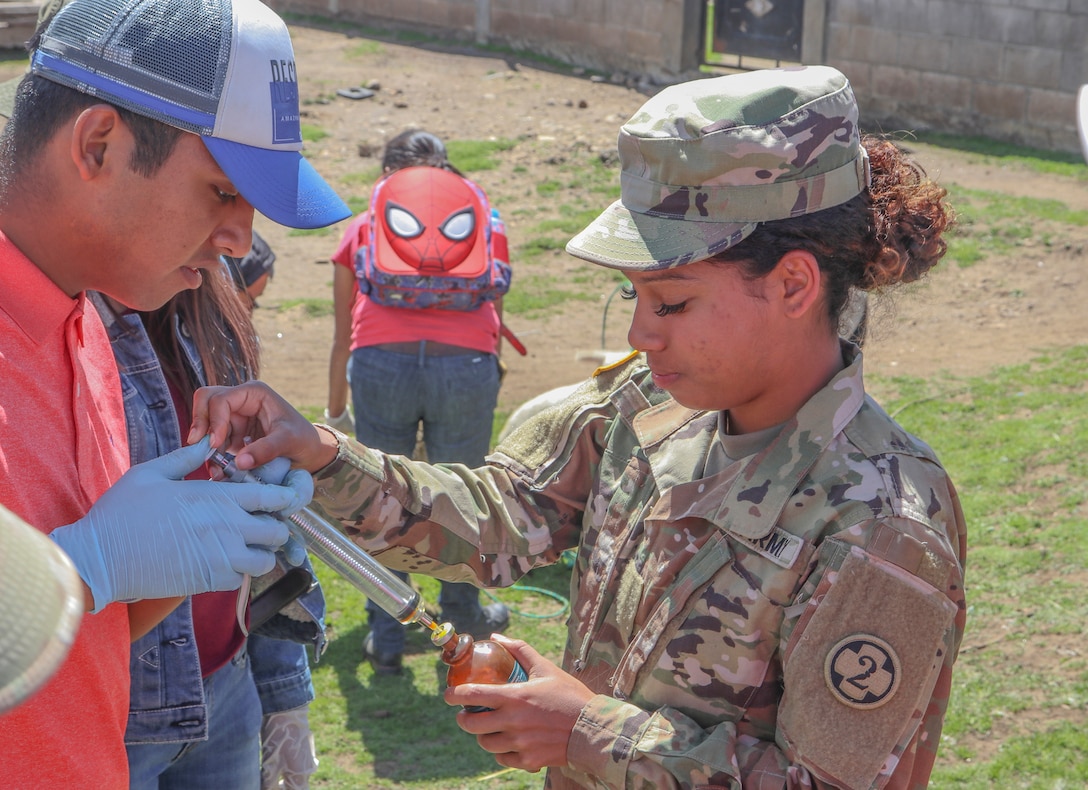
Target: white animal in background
1082 118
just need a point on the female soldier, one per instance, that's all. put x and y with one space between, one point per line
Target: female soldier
769 580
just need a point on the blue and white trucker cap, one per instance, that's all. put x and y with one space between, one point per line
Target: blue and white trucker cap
222 69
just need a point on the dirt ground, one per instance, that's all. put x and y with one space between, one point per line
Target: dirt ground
1002 310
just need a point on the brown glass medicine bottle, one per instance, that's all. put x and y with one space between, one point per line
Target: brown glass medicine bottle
475 661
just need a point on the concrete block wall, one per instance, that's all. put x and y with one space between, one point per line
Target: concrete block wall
17 23
437 16
641 36
652 38
1003 69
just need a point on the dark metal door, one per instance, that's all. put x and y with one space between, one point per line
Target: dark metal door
768 29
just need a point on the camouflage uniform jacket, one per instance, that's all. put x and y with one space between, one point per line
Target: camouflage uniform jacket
788 620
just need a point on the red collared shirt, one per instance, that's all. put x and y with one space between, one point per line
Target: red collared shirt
62 443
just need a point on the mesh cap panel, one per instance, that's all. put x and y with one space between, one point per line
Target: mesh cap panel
222 69
41 604
166 60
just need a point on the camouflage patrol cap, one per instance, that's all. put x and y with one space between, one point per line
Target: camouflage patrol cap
703 162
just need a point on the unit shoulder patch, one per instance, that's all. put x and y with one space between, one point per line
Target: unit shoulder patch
862 671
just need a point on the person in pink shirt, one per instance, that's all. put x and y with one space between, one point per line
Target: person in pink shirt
438 366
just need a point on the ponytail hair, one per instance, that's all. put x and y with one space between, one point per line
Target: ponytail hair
889 234
416 148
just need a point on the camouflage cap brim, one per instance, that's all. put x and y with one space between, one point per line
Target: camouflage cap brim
622 239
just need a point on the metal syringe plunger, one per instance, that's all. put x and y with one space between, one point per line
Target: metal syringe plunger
333 548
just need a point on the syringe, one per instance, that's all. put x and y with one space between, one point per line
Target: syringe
333 548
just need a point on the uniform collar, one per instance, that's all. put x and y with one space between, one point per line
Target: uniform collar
745 499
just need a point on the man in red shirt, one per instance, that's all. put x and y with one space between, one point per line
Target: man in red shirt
140 142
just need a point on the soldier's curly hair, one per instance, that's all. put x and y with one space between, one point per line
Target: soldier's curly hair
891 233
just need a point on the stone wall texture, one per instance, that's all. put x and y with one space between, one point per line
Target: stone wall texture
1004 69
654 39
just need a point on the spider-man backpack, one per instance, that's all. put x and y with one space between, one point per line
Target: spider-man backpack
432 243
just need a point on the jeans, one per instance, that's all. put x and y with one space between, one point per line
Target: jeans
232 760
454 397
281 673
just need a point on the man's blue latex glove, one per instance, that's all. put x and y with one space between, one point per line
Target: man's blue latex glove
155 535
278 471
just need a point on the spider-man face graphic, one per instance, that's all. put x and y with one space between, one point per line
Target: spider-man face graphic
431 221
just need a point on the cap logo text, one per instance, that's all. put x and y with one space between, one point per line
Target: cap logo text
283 71
283 88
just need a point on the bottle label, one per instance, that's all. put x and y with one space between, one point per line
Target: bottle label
517 675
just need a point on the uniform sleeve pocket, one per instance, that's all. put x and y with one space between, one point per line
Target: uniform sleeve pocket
860 668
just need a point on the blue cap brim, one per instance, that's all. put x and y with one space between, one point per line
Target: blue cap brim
282 185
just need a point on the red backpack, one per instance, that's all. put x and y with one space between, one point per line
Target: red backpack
433 242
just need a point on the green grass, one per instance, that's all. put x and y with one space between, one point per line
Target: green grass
311 133
350 28
1060 163
328 230
364 178
396 731
358 203
995 223
536 294
314 308
1014 443
365 48
376 35
576 194
1054 758
1013 440
471 156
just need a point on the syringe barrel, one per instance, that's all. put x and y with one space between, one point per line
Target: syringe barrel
336 550
377 582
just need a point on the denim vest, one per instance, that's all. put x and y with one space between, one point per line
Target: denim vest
166 703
